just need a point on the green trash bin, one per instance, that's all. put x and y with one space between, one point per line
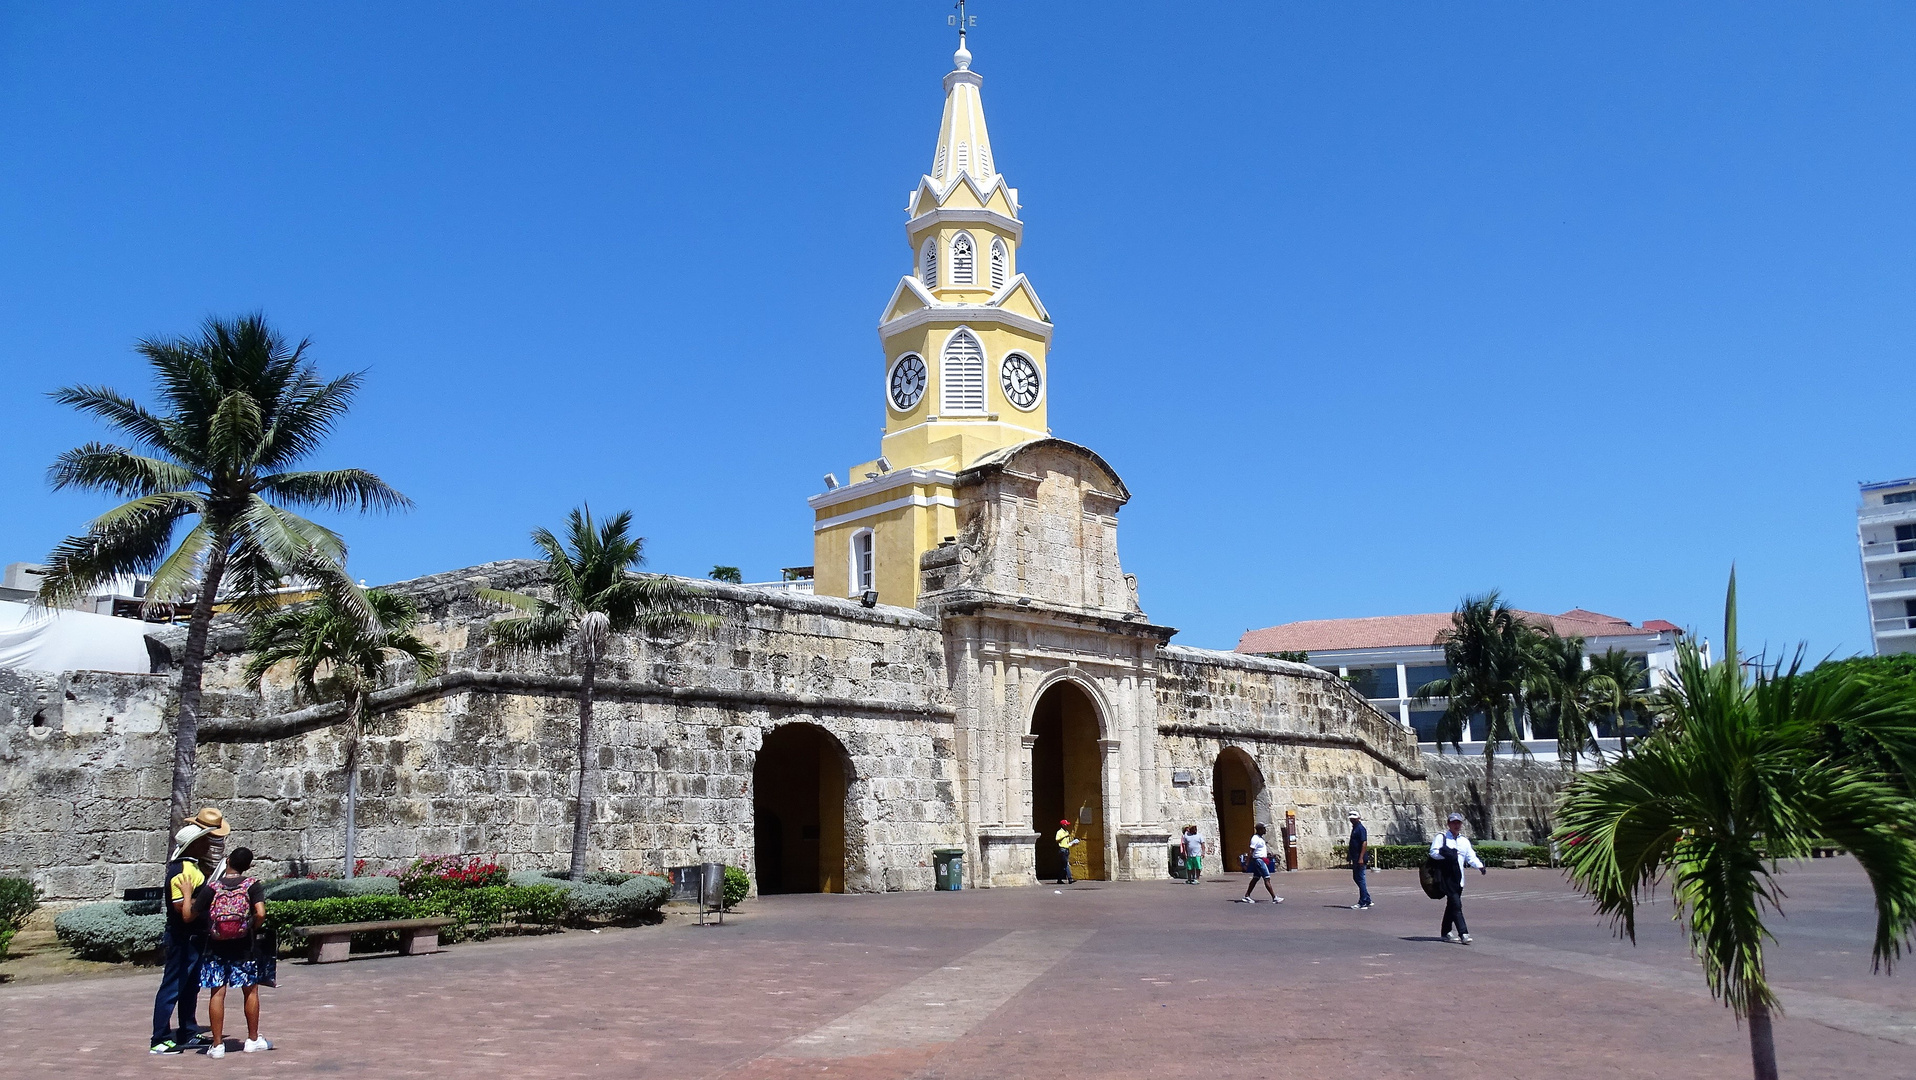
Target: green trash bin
948 868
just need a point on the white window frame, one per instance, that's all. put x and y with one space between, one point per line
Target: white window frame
1000 262
867 578
946 406
965 272
928 263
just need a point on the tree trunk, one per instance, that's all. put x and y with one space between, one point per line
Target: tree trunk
588 769
1762 1042
352 779
186 736
1490 790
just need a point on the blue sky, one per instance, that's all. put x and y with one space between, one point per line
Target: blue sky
1371 305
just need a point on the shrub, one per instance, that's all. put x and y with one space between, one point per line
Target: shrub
328 888
110 931
632 896
1398 856
737 884
18 899
285 915
476 912
433 873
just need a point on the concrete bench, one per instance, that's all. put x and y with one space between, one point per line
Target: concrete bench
331 944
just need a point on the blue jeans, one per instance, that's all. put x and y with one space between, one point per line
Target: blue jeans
1363 890
179 983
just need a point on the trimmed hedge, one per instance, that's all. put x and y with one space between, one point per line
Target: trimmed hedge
327 888
18 899
475 912
604 895
1499 853
737 884
112 931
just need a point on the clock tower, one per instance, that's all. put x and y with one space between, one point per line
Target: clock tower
964 341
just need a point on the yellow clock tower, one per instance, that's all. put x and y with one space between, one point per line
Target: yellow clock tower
964 338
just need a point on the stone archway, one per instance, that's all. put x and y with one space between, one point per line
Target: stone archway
799 785
1067 779
1237 787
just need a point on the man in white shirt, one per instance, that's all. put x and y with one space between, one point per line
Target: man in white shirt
1193 855
1259 864
1453 852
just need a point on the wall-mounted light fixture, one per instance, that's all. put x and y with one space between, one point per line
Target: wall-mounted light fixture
831 482
884 464
869 598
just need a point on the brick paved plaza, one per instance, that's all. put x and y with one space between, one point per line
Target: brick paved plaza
1106 979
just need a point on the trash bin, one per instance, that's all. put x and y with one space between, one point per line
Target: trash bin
948 868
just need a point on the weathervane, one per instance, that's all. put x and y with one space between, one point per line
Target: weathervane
961 20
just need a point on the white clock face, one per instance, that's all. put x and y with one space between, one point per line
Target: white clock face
907 382
1020 379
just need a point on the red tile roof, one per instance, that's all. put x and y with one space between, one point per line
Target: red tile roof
1399 631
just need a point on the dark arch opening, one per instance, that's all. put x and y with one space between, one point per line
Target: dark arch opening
1236 784
798 811
1067 781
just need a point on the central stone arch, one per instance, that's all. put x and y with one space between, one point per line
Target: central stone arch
1067 777
801 782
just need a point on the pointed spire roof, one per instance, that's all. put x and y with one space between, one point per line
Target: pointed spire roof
964 145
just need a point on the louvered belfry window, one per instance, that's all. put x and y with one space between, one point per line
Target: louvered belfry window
928 265
962 260
963 159
962 375
1000 258
984 160
938 167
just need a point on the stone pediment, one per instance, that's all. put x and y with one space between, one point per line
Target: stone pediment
1037 524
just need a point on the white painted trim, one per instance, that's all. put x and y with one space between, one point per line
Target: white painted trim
1017 281
968 419
883 508
940 194
966 216
1044 381
975 313
885 482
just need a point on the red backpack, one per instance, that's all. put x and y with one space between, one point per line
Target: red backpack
230 915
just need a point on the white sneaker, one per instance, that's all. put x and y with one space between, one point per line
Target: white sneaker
1245 900
218 1049
1277 899
1451 938
255 1045
1466 939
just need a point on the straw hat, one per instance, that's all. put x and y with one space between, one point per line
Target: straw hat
208 822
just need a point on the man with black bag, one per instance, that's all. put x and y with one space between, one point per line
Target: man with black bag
1450 852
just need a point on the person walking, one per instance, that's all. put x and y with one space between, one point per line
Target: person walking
1359 852
1193 855
1453 852
1258 863
234 909
1067 839
183 939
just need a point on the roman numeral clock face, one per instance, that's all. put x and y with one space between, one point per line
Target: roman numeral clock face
1020 379
907 383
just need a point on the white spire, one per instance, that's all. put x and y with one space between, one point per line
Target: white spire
964 144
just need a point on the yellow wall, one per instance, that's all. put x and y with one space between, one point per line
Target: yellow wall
899 536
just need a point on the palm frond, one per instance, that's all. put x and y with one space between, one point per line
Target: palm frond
233 436
307 417
118 410
118 471
115 545
333 489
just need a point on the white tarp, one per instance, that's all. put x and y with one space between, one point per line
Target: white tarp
44 640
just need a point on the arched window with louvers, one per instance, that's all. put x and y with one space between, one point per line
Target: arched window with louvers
964 260
928 264
961 375
1000 263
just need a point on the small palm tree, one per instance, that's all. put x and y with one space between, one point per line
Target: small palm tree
1737 777
1621 693
240 410
595 596
1565 690
1492 656
336 652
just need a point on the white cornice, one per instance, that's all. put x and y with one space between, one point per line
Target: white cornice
926 220
964 76
955 314
883 508
908 283
940 194
885 482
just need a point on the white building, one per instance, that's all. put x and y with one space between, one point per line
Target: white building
1886 537
1389 658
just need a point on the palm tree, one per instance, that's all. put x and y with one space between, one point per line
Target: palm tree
1620 691
336 651
1491 653
595 596
239 410
1570 693
1736 778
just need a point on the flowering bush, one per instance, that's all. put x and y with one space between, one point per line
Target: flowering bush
436 873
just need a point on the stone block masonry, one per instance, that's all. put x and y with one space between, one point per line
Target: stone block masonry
1526 794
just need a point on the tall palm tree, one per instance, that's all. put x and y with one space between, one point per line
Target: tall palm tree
239 409
1621 692
595 595
1570 693
336 652
1491 653
1737 777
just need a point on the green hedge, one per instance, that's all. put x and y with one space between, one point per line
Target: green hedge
111 931
326 888
737 884
1398 856
1498 853
18 899
604 895
476 913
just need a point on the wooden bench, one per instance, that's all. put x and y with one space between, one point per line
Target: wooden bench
331 944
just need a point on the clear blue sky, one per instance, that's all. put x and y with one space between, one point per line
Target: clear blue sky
1371 305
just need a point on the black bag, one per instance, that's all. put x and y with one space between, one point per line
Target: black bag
1428 880
266 955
